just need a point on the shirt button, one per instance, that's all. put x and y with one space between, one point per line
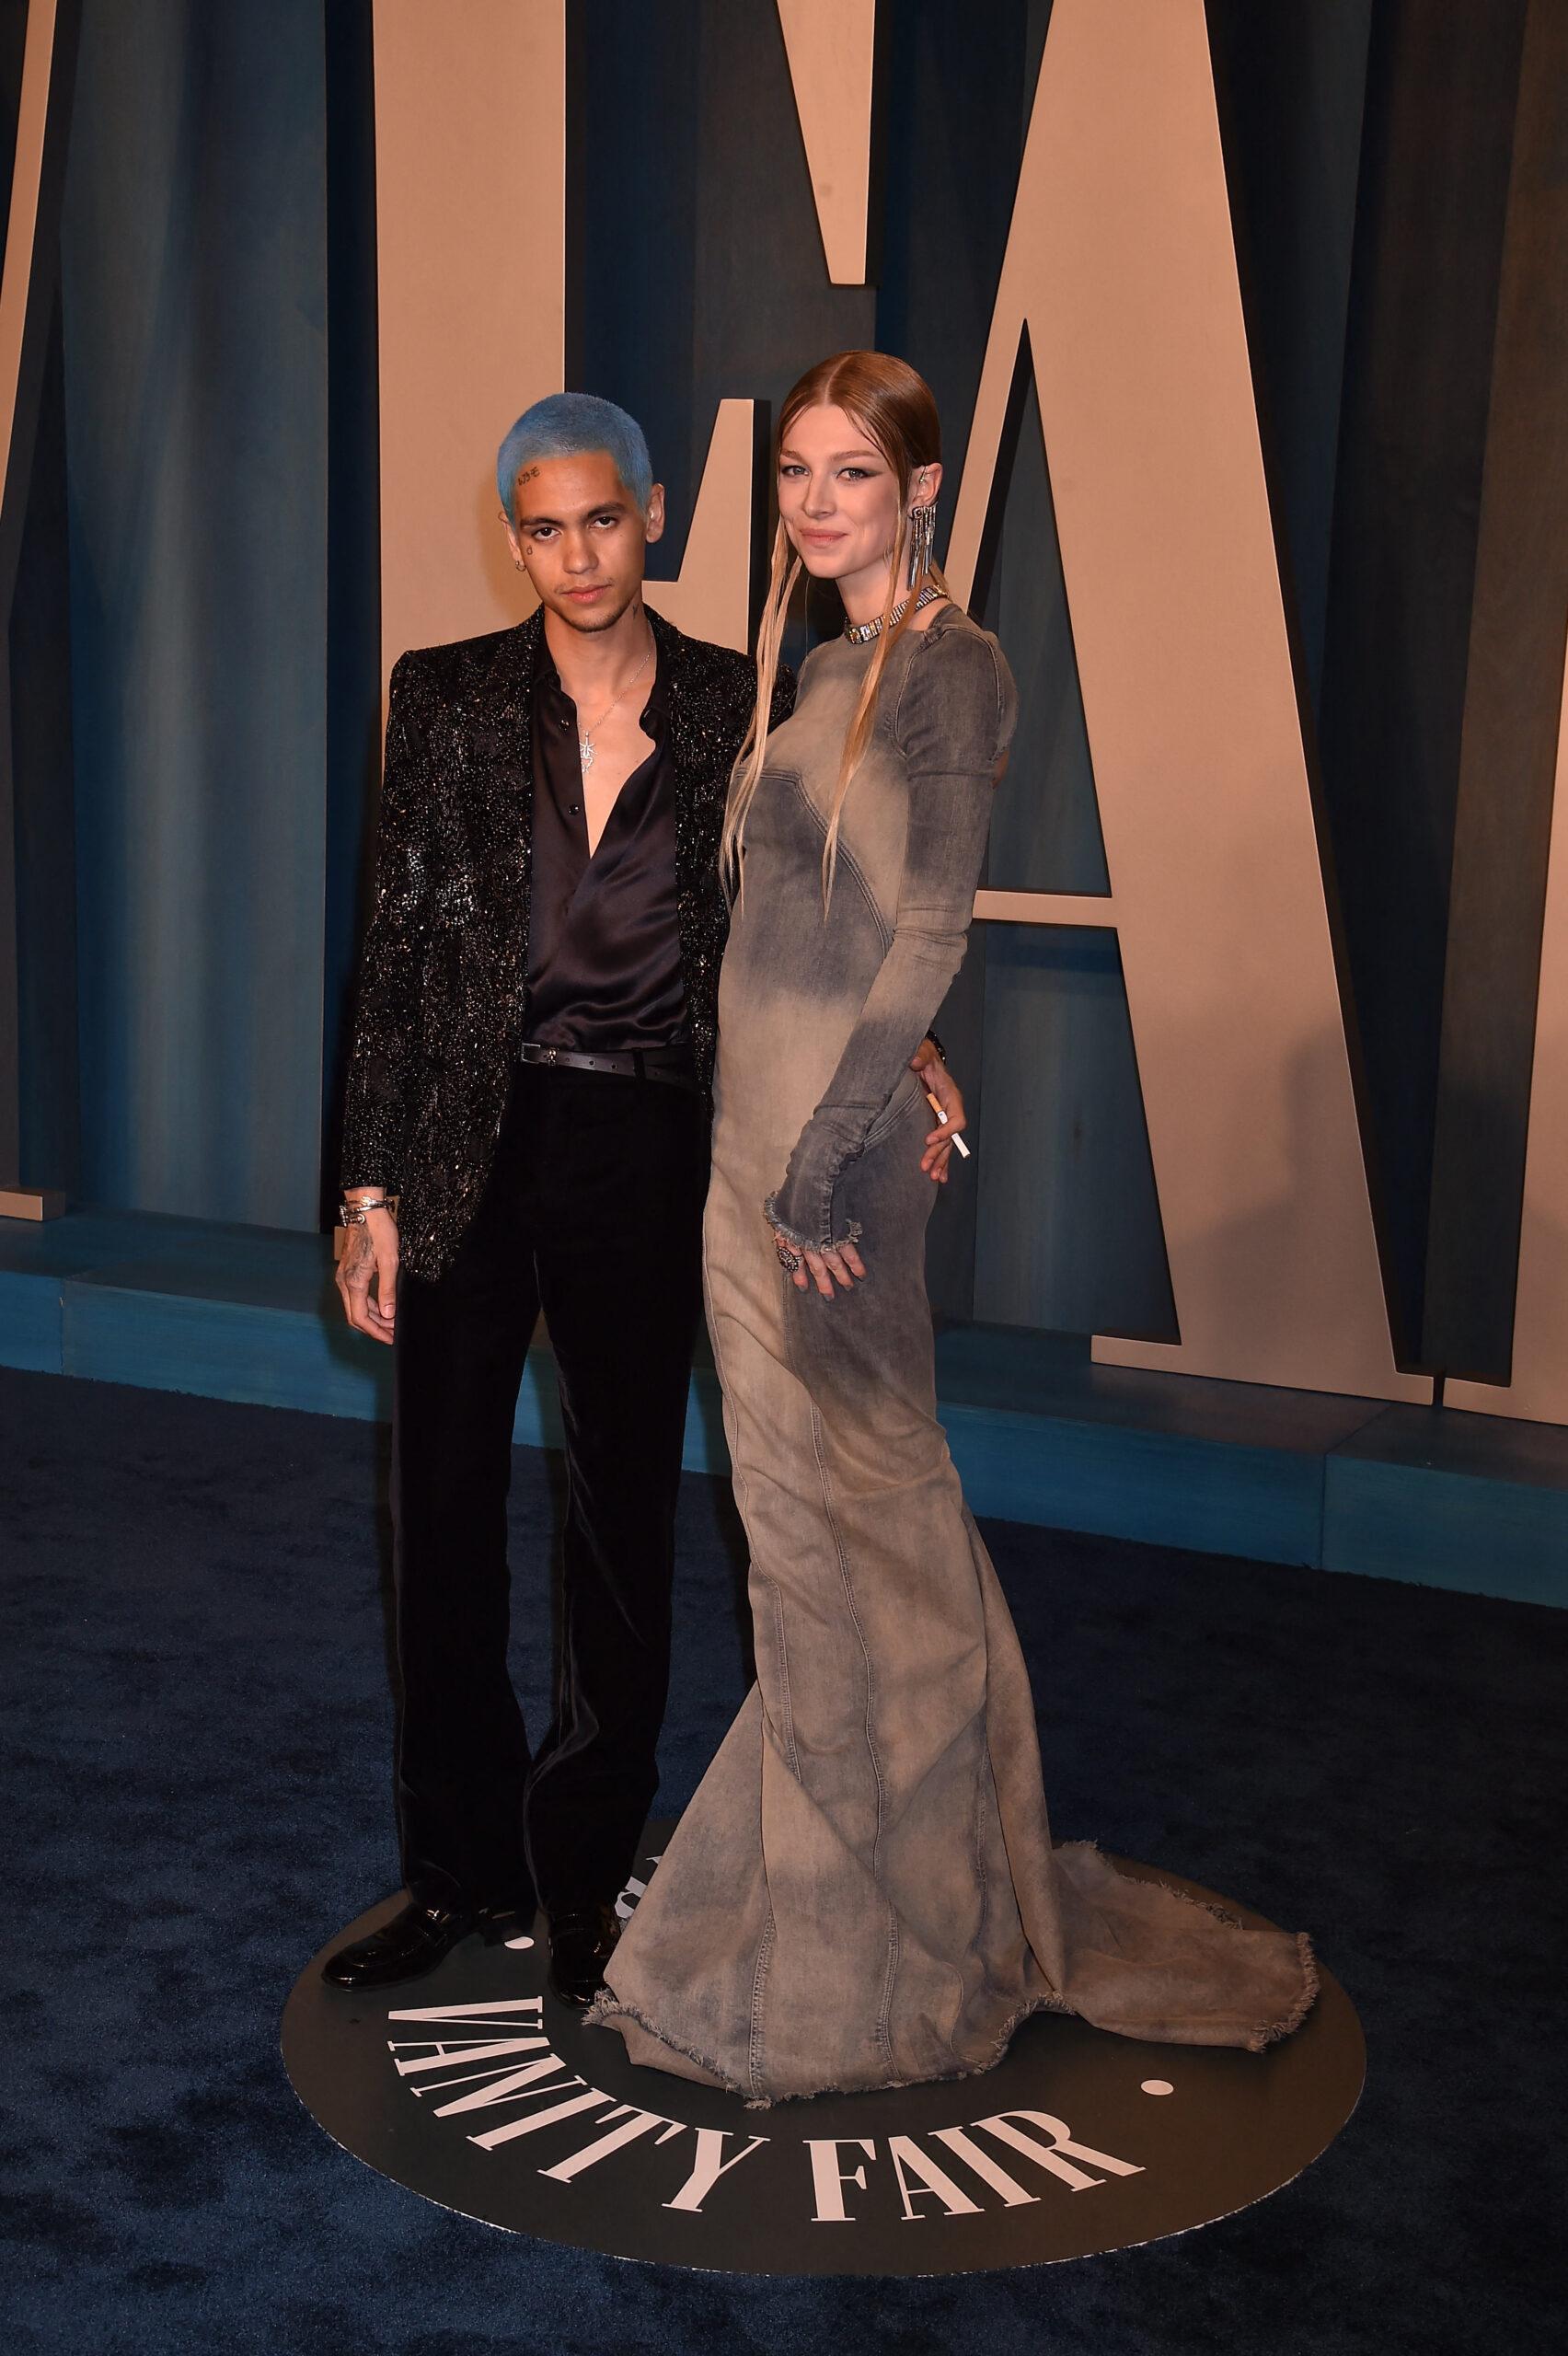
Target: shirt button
574 809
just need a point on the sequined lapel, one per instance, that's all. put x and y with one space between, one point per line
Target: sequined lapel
689 747
505 695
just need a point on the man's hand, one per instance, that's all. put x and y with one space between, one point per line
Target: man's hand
368 1276
938 1081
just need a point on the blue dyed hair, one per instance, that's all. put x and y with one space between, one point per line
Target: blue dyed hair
569 425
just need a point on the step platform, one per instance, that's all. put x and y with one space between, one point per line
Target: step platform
476 2088
1039 1434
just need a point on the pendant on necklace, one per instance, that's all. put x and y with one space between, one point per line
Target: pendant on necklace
585 754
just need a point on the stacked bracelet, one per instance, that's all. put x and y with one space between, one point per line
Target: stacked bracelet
352 1214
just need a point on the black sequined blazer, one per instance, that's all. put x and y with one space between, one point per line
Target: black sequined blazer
441 1005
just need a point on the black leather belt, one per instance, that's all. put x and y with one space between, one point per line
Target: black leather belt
640 1063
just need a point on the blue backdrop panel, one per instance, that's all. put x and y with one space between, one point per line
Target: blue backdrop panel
1045 833
1069 1231
194 259
1437 142
49 1094
714 284
1291 80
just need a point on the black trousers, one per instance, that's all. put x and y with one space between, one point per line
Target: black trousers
594 1210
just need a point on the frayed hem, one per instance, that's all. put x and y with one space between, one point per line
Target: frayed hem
1272 2032
1048 2003
1205 1905
1311 1985
851 1234
607 2007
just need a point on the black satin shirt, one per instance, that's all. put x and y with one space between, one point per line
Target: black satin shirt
603 936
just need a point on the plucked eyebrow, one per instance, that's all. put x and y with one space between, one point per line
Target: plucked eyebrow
839 455
583 516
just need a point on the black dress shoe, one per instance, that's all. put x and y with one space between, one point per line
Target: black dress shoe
417 1939
582 1939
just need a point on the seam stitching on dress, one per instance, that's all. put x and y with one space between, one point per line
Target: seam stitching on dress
923 639
884 2016
845 857
977 1830
759 1981
885 2010
789 1728
887 1120
978 1842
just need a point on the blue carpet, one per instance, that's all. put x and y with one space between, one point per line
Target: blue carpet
197 1719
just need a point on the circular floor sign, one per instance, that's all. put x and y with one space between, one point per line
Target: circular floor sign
474 2087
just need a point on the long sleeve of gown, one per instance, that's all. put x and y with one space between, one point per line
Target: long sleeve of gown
376 1109
952 726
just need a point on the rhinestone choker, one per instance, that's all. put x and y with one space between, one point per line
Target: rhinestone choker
862 633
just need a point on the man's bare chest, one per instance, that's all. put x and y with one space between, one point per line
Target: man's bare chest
611 754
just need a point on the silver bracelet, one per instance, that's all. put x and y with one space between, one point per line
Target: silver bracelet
352 1214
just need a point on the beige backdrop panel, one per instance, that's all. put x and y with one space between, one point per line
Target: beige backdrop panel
1120 262
831 46
470 153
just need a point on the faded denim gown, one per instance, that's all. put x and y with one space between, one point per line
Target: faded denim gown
863 1891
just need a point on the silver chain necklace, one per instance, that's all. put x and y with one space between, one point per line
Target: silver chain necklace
862 633
586 750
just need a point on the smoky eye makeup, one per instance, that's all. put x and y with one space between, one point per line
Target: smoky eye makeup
850 471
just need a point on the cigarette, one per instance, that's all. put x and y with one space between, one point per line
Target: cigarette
943 1119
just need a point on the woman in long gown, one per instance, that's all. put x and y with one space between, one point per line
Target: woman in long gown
863 1891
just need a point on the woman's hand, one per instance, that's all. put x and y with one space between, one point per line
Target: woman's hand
805 1268
938 1081
371 1253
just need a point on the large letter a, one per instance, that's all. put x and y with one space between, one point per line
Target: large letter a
1121 266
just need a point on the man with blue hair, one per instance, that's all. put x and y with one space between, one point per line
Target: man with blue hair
530 1079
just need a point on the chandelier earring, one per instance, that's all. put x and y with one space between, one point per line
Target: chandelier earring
922 540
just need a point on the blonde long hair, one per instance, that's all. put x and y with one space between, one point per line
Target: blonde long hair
893 405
